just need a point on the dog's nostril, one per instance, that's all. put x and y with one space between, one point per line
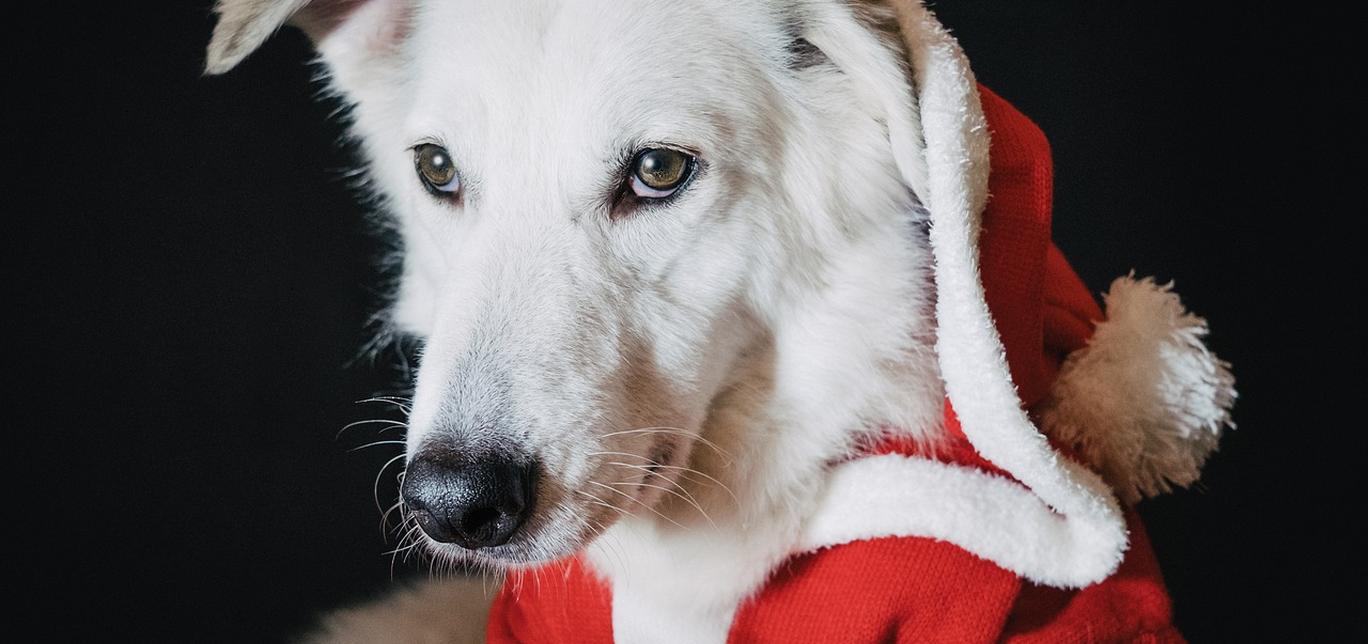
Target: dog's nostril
429 524
480 524
475 505
478 518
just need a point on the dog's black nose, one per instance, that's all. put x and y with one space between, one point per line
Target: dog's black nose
474 504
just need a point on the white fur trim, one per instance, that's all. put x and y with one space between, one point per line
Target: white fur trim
972 359
987 515
1145 401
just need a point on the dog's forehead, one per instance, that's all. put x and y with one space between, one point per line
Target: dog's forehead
585 31
585 69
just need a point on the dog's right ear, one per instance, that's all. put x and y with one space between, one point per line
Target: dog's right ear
866 41
353 37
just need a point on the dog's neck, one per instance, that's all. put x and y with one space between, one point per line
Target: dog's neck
851 359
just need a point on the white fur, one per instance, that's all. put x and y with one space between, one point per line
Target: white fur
785 309
988 515
1145 402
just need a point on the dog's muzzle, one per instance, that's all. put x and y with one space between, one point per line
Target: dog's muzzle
471 503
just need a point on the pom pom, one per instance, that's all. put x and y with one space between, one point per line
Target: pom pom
1145 402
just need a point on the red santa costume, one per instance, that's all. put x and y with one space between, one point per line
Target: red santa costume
1057 416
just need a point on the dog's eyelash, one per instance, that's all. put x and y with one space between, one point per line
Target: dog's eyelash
427 140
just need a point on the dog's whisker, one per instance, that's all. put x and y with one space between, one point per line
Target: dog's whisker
404 404
374 444
674 431
595 499
685 472
639 502
372 421
598 530
687 499
394 398
685 491
651 429
408 536
614 548
384 518
644 458
375 487
399 550
688 473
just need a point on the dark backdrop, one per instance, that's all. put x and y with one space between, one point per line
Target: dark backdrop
193 278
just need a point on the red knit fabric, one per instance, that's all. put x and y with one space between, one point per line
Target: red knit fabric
911 589
904 589
1129 606
560 603
915 589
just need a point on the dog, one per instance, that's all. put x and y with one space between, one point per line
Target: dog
678 268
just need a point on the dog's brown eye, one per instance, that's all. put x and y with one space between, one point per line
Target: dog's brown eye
436 169
659 172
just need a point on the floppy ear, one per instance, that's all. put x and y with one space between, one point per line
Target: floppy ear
863 39
242 26
359 42
907 68
357 39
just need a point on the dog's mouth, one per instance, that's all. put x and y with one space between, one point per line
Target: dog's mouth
563 518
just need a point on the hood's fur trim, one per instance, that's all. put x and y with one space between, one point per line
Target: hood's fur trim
972 358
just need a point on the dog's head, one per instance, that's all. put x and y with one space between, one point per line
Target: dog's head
606 208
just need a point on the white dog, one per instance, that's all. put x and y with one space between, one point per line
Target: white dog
677 265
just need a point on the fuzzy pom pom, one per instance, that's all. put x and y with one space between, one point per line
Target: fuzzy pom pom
1146 401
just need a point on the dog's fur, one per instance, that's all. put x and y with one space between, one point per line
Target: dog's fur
684 373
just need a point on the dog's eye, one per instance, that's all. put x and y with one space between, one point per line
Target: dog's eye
436 170
657 173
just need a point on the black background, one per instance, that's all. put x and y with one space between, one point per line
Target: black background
193 278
